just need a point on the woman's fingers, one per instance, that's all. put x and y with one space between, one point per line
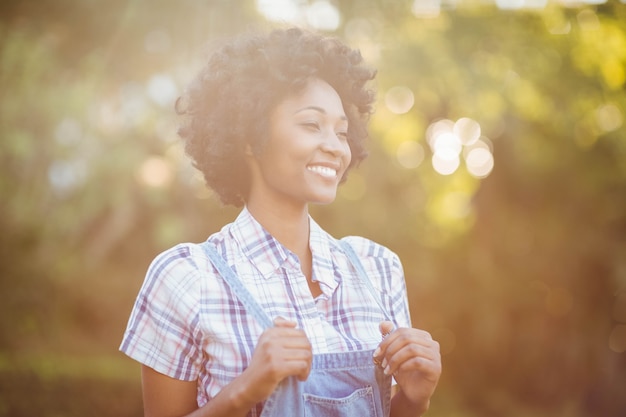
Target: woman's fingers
283 351
407 349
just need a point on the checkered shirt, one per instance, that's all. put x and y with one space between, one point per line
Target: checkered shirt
187 324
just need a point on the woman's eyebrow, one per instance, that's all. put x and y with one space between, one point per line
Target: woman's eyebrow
319 110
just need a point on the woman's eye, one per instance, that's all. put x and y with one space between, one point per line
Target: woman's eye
342 135
311 125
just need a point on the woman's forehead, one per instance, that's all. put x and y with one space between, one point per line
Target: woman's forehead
316 96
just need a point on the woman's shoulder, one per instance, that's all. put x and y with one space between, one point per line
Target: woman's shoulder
366 248
181 260
185 251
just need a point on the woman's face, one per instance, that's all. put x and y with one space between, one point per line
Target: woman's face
307 152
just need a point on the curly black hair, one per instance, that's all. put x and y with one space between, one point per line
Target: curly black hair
228 105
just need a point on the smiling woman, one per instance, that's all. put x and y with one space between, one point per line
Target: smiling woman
308 151
272 314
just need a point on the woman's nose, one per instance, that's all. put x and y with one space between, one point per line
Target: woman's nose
334 144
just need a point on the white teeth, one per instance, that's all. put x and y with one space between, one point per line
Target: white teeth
323 171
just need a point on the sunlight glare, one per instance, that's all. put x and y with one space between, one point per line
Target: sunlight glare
162 90
521 4
437 128
155 172
322 15
426 8
609 117
362 34
133 104
479 162
467 130
399 99
280 10
446 161
447 140
66 176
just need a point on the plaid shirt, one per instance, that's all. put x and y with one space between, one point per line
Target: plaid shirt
187 324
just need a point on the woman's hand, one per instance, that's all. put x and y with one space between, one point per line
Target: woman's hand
281 351
413 358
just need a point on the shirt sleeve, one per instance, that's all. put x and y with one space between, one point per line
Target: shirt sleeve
163 331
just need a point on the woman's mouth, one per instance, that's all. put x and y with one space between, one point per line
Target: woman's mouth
324 171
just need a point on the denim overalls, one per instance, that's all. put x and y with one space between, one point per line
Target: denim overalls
343 384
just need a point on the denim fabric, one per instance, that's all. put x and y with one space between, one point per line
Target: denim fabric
345 384
342 384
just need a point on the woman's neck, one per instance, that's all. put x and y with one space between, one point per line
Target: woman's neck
289 226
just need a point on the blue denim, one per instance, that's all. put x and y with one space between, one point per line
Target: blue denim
345 384
342 384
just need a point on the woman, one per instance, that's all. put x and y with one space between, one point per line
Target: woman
272 315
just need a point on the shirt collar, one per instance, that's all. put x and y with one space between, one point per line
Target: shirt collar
258 245
267 254
321 244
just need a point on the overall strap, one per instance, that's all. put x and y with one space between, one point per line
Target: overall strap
358 266
237 287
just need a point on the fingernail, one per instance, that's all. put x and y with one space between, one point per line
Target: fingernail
377 352
386 371
384 365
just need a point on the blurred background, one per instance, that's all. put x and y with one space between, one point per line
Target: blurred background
497 172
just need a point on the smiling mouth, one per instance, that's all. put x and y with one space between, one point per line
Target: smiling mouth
325 172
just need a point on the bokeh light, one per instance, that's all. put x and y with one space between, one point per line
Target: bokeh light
479 162
609 117
322 15
426 8
399 99
155 172
279 10
66 176
362 33
162 90
445 161
467 130
448 140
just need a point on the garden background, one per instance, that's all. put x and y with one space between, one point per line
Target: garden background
497 172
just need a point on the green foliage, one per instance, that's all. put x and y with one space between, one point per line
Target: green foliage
521 275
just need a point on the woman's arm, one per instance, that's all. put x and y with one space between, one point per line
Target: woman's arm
402 407
282 351
164 396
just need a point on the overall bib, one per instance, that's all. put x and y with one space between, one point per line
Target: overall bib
342 384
